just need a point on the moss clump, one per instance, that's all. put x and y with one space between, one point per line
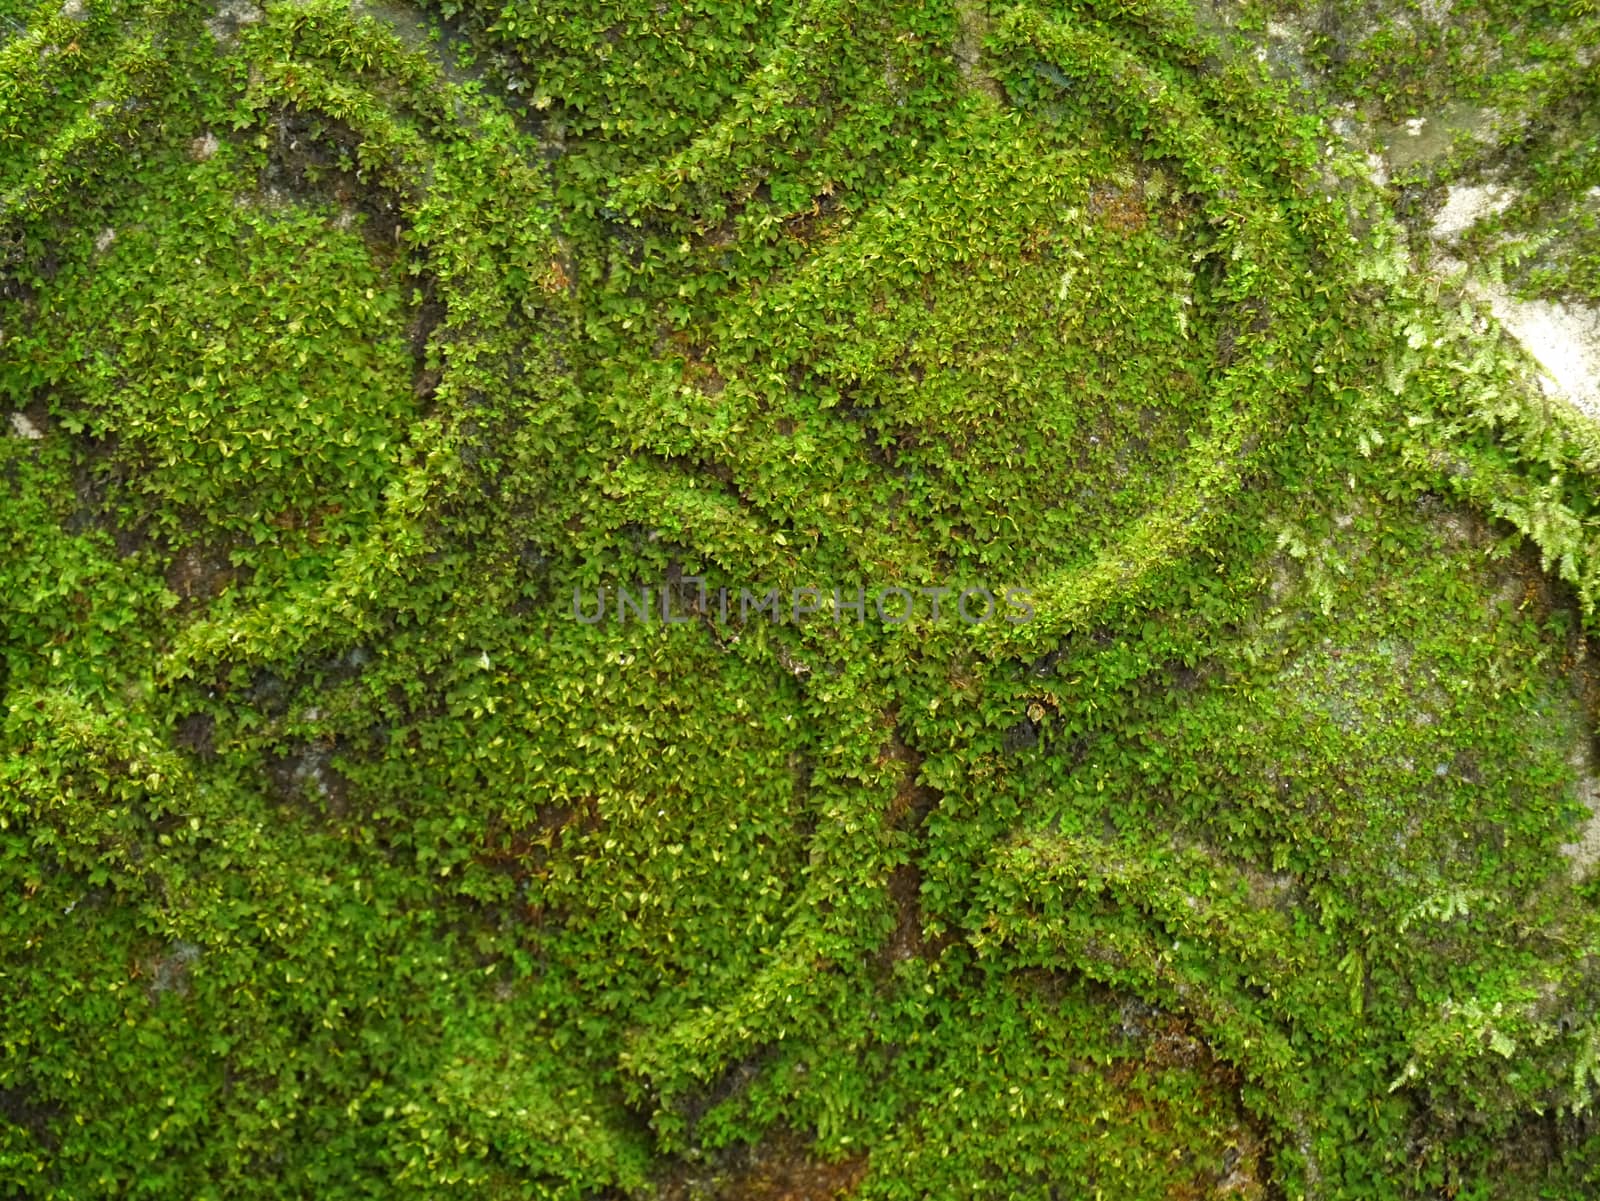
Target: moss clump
349 859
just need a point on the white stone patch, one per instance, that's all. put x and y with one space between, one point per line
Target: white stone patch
103 242
1379 166
203 147
231 15
1564 339
23 428
1584 853
1465 206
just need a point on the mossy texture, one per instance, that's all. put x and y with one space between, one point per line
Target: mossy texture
353 350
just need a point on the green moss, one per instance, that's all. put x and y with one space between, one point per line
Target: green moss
347 861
